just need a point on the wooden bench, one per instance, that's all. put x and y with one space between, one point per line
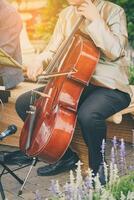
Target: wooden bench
122 128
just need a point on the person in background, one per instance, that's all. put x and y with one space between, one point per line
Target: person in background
10 28
108 91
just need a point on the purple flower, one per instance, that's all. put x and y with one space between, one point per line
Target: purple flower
54 188
88 182
131 167
103 149
112 156
122 150
37 195
114 141
69 191
80 192
123 155
114 151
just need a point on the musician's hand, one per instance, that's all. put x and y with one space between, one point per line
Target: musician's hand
34 69
88 10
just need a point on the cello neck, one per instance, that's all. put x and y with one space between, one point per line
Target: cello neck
64 46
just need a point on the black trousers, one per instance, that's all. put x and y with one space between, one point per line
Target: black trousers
95 106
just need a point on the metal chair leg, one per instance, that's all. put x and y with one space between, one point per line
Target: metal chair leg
5 168
2 191
12 173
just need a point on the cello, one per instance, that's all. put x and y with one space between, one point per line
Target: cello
49 127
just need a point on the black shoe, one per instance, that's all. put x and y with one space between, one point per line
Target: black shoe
17 158
59 167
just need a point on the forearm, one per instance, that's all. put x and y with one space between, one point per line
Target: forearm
111 36
110 44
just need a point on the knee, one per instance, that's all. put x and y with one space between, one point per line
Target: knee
90 120
18 104
22 105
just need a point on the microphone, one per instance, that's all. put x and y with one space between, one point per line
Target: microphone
9 131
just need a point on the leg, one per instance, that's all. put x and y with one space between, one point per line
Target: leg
92 113
22 104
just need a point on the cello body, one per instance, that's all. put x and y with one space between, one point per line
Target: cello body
56 116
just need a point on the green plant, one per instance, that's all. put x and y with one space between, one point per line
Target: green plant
125 185
131 75
129 9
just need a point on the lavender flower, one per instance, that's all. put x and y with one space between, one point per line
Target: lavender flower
114 141
114 151
37 195
105 194
113 175
88 182
123 155
122 150
80 192
131 167
54 188
98 186
103 149
78 173
69 191
112 156
72 182
106 172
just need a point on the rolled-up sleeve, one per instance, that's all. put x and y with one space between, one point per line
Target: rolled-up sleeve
110 37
